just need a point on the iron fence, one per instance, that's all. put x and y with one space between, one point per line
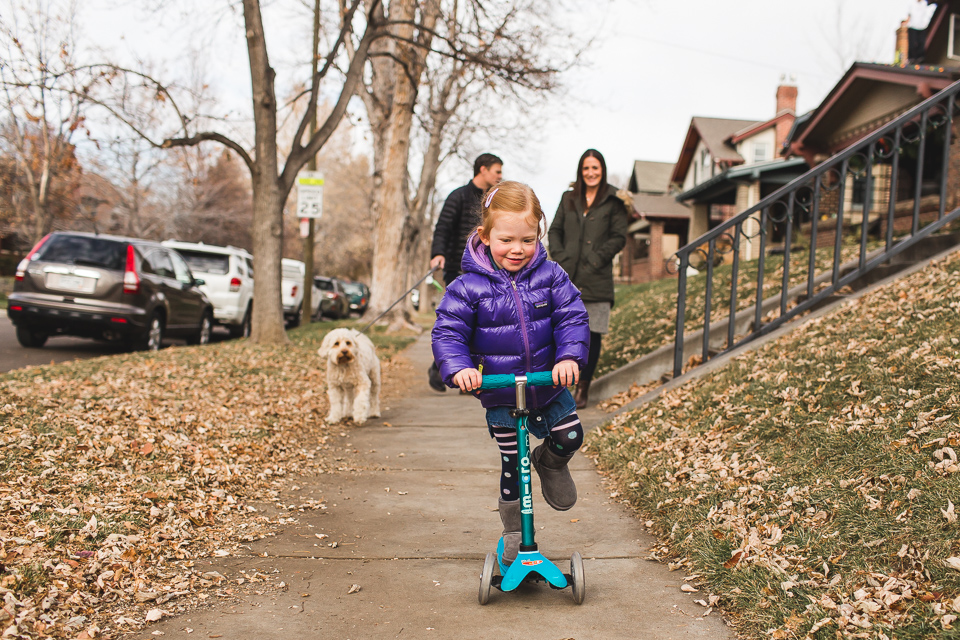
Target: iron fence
909 156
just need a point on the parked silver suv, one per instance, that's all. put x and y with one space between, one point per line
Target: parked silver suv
227 273
107 287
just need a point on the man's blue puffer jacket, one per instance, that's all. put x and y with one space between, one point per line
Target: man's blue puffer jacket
509 323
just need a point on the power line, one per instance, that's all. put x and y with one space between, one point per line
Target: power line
726 56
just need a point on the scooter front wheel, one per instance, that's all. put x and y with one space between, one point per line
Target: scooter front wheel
486 578
576 573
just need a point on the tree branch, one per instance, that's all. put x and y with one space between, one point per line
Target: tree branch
214 137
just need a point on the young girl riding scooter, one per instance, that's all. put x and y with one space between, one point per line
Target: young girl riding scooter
511 312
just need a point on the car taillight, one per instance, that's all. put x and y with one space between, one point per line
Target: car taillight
22 267
293 291
235 284
131 281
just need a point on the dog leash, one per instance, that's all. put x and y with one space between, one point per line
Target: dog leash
419 282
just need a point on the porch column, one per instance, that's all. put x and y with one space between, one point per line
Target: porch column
657 269
747 196
699 221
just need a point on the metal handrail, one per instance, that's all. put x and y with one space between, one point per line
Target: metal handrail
885 145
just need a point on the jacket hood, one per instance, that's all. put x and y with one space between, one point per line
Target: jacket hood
477 259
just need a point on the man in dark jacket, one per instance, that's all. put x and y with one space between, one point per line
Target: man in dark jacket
458 218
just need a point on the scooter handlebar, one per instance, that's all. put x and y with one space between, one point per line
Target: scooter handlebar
535 379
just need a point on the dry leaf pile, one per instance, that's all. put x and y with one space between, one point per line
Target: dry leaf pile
811 486
117 474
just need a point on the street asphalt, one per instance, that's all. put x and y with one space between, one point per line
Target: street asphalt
65 348
412 530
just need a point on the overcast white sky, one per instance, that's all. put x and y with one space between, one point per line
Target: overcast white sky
655 64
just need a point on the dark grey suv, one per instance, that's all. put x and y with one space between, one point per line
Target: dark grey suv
107 287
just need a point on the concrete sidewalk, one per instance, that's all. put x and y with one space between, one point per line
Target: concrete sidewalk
413 530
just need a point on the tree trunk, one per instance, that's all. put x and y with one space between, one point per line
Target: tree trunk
389 274
396 231
268 327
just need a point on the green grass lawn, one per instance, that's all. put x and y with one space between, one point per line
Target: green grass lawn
810 488
6 286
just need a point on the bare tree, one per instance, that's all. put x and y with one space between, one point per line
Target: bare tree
848 38
272 170
41 99
212 199
451 50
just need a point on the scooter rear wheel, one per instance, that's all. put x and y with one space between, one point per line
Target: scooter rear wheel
486 578
576 573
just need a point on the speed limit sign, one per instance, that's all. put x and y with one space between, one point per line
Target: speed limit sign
309 194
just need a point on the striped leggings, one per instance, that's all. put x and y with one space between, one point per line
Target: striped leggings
564 439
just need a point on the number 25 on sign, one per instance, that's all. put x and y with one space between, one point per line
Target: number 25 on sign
309 194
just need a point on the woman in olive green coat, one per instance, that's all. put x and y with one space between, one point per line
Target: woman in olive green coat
588 230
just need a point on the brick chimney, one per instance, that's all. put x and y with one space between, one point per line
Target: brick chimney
902 53
787 97
786 101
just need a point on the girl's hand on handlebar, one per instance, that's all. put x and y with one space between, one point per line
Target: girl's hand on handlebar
566 373
468 379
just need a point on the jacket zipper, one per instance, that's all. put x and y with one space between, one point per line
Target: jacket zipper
523 334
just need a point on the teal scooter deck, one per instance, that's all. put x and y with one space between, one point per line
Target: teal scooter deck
530 563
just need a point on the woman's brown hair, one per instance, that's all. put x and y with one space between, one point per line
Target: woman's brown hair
579 187
509 197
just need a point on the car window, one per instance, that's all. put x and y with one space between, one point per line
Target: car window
326 285
203 262
84 250
181 269
160 262
145 266
292 273
249 266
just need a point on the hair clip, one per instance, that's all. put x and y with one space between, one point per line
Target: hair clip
490 197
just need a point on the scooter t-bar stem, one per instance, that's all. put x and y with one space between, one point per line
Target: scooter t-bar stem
520 383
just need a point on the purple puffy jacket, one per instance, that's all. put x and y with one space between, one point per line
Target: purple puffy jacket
509 323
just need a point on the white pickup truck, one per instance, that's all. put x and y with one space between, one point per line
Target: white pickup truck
291 292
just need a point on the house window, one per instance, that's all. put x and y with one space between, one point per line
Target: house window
761 151
704 165
858 194
953 43
641 246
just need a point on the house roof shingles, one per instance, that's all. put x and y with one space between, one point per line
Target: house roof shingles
715 133
651 177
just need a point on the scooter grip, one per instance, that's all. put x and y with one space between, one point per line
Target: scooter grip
540 379
502 381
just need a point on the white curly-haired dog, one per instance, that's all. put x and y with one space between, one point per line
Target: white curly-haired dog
353 375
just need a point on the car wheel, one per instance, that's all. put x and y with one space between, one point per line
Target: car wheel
152 338
202 336
243 331
297 319
31 339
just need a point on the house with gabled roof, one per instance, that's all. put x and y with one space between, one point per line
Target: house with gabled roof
727 165
868 96
659 224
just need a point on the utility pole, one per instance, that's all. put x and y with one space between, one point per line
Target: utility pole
312 166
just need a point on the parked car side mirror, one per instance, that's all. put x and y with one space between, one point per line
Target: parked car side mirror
199 282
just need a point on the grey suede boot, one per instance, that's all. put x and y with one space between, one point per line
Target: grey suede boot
556 483
510 517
